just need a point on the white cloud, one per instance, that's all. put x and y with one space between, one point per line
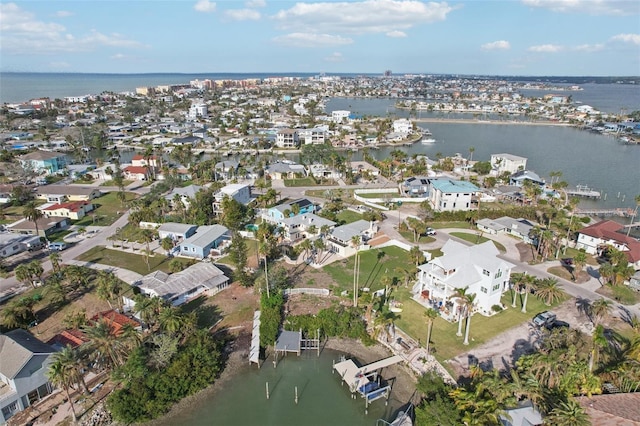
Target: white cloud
546 48
361 17
118 56
396 34
589 47
334 57
59 64
21 32
243 14
627 38
591 7
254 4
496 45
311 40
205 6
63 14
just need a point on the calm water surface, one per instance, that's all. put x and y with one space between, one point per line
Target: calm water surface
321 398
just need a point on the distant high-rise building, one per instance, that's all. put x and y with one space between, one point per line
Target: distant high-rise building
387 73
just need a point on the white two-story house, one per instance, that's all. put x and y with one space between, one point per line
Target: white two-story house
476 268
451 195
24 361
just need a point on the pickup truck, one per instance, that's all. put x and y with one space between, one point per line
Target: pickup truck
544 319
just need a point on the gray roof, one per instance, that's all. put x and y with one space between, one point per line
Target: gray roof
188 191
169 286
205 235
308 219
491 224
66 190
17 347
523 226
176 228
350 230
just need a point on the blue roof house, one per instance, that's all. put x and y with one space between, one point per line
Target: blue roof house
303 206
204 240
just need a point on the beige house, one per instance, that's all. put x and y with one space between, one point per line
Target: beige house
74 210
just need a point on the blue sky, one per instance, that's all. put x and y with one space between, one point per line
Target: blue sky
509 37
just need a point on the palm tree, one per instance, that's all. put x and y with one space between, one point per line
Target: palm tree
170 320
318 244
148 235
109 287
72 361
469 302
58 375
568 413
24 274
459 294
529 283
355 243
599 310
32 213
36 269
55 259
430 314
306 245
104 345
599 341
549 290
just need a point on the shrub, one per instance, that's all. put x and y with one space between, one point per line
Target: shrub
496 308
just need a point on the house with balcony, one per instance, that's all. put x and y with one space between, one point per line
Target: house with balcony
314 136
282 170
476 268
137 173
287 138
300 206
205 239
63 193
519 178
185 195
509 163
176 231
340 238
44 162
596 238
451 195
237 191
415 186
303 226
24 361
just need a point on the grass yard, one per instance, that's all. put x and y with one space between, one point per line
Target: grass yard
423 239
130 261
443 337
109 209
444 225
348 216
382 195
305 181
478 239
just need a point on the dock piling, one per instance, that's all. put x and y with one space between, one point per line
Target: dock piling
267 385
296 395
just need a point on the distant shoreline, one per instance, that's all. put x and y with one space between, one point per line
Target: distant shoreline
476 121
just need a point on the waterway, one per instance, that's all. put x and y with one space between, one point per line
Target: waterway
598 161
322 400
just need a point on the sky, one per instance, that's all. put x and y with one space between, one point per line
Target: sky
480 37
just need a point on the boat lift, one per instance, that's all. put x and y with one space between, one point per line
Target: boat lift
365 380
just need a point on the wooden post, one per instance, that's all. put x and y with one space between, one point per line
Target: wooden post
296 395
267 383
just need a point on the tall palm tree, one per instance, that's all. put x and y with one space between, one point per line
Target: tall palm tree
528 283
170 320
55 257
109 287
32 213
355 243
24 274
148 235
568 413
58 375
600 310
430 314
459 294
469 303
599 341
105 347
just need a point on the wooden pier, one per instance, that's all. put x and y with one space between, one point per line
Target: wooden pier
583 191
605 212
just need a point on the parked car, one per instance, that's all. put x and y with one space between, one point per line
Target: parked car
35 245
556 324
431 231
544 318
57 246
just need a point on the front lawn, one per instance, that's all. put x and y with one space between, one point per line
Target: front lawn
477 239
422 239
348 216
381 195
108 209
130 261
305 181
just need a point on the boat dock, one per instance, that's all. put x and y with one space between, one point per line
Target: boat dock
606 212
365 380
254 352
583 191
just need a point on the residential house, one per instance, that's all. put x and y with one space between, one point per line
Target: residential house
226 169
613 409
142 161
287 138
416 186
596 238
62 193
137 173
451 195
185 194
402 126
205 239
24 361
300 226
6 193
238 191
298 207
519 228
364 169
47 162
74 210
73 338
11 244
476 268
501 163
519 178
116 321
284 170
339 116
46 226
176 231
525 414
320 171
178 288
186 140
341 237
315 136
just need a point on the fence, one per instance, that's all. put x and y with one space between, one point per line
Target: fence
314 291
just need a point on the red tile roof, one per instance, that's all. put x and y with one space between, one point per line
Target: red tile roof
73 206
115 320
141 157
610 230
73 338
143 170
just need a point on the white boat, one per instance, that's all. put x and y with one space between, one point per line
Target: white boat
428 140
